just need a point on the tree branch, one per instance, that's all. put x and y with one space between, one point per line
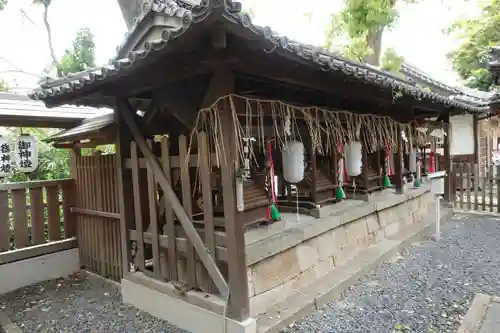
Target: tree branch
55 62
24 15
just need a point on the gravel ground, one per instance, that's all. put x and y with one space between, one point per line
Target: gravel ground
77 305
426 289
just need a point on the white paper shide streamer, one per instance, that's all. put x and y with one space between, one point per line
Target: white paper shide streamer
240 202
293 161
413 160
353 156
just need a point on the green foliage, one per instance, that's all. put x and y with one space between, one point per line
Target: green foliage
250 12
42 2
52 163
360 25
477 36
3 4
361 16
81 56
391 61
357 49
401 328
4 86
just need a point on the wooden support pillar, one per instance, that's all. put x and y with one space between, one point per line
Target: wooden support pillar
73 153
476 138
70 196
335 169
398 166
124 180
448 193
365 161
312 158
239 307
378 166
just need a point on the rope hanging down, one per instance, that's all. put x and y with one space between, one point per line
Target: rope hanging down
326 128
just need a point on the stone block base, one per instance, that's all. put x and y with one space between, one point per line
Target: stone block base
333 240
144 293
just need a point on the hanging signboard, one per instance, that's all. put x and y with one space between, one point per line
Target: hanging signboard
5 166
462 135
26 153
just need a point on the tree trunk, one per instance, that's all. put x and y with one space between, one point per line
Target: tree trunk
55 62
130 9
374 40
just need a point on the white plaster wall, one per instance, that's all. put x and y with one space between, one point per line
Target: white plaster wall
30 271
462 135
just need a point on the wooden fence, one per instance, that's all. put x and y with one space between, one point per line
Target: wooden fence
473 191
98 216
162 244
35 217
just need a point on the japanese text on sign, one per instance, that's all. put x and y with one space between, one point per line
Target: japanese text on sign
5 166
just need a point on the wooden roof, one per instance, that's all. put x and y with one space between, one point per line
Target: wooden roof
21 111
88 127
227 14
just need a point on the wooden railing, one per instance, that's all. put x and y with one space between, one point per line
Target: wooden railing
97 214
36 213
475 190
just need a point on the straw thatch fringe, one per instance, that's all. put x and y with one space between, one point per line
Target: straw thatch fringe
326 128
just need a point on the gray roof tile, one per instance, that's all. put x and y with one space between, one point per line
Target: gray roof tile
229 13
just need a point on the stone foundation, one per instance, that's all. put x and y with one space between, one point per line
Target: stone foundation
303 253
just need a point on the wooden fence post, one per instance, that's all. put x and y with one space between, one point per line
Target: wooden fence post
448 195
125 189
4 221
238 279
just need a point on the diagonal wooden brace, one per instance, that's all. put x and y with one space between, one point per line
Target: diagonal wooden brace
187 224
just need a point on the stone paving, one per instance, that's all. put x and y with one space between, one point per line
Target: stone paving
491 322
483 315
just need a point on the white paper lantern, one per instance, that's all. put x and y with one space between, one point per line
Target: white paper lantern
5 166
293 161
413 160
26 153
353 156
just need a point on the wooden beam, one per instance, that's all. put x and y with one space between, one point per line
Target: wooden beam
254 63
449 193
312 159
181 244
218 36
222 84
187 224
35 184
78 145
124 179
172 68
89 212
154 107
175 161
182 99
37 250
476 138
398 165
